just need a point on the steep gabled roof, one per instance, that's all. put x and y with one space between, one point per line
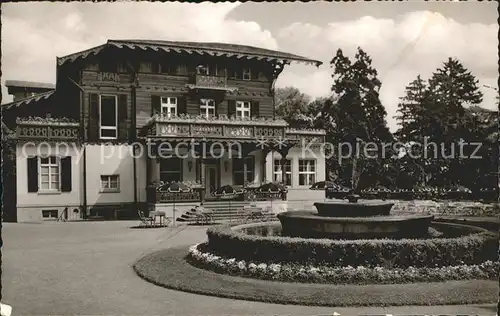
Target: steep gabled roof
214 49
28 100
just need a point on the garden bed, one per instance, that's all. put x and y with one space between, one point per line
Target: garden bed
289 272
462 244
169 268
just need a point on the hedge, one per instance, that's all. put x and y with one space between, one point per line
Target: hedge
475 248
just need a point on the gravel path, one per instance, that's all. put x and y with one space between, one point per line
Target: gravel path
85 268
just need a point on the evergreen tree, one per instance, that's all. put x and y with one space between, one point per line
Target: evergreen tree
452 88
411 110
356 116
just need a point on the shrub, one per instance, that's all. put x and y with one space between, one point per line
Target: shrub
475 248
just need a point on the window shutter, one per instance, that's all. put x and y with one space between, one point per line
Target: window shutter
254 109
66 174
32 174
181 105
231 108
122 117
155 105
93 128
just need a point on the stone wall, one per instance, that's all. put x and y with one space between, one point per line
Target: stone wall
466 208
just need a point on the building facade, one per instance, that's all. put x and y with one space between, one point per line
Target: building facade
128 116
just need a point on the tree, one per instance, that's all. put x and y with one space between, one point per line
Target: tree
355 117
452 88
436 112
411 110
292 106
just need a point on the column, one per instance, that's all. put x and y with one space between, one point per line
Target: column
245 168
263 171
283 154
202 180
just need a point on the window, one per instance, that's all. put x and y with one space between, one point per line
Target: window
49 214
122 67
203 70
110 183
207 107
171 170
108 116
146 67
168 68
278 173
50 175
242 109
247 74
238 170
169 106
307 172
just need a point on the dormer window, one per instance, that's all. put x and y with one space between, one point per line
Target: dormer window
247 74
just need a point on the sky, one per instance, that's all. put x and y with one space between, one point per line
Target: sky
404 39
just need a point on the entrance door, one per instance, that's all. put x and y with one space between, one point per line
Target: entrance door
211 179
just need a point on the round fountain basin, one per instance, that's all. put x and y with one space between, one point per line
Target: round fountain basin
309 224
357 209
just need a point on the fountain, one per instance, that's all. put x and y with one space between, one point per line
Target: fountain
354 220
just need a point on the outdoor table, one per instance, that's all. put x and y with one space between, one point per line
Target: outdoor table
159 214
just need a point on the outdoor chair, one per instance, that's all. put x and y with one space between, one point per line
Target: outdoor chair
203 216
145 221
254 213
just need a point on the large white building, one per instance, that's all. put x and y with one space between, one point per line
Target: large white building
127 116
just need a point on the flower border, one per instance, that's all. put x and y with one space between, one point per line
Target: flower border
338 275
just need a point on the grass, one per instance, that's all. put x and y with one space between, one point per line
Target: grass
169 269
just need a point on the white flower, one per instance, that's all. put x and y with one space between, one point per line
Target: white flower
262 267
313 270
275 267
242 265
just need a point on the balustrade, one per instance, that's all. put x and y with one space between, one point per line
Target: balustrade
215 129
210 81
47 131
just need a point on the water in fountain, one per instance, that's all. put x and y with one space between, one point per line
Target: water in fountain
354 220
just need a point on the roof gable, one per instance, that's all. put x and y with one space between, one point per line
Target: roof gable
214 49
28 100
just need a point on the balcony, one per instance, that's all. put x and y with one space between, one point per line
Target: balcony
220 127
46 129
206 82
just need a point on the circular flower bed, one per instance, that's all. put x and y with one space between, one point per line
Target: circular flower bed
288 272
260 242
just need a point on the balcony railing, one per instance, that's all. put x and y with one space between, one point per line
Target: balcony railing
210 82
46 129
154 196
216 127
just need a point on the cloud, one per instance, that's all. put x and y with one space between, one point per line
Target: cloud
34 34
401 48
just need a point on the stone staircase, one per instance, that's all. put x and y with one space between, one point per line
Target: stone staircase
225 211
